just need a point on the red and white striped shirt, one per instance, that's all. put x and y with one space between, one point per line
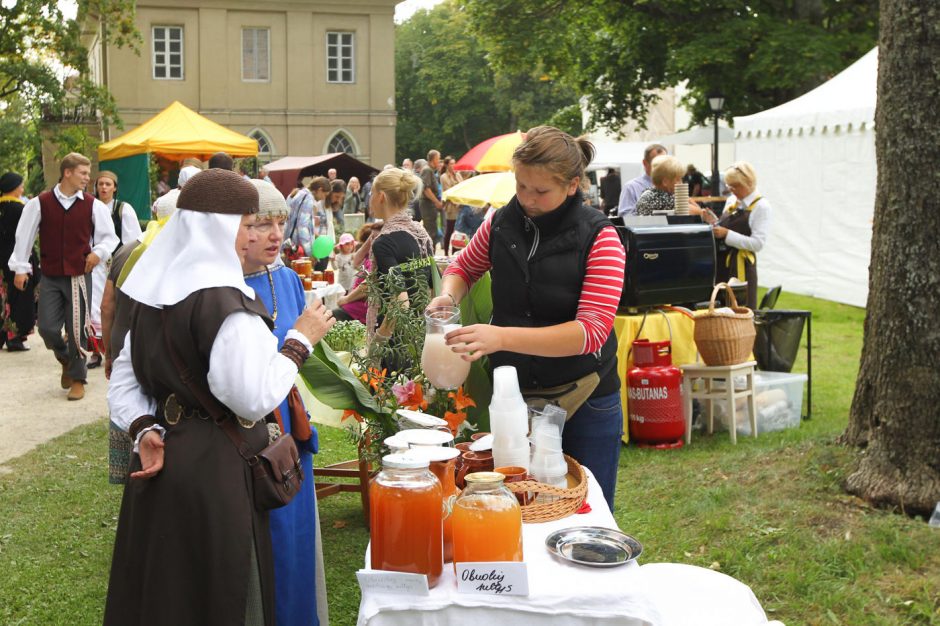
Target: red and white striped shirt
600 293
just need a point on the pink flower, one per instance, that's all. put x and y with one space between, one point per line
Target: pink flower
403 393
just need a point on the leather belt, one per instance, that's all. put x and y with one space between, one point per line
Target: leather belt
173 411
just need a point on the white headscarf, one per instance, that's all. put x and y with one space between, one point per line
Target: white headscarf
196 248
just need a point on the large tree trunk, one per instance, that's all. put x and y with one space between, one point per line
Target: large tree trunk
896 409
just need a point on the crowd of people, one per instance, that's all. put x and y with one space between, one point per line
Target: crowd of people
199 323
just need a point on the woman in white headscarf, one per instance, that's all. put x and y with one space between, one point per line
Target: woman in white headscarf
190 546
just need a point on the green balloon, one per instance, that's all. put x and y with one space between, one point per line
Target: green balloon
322 246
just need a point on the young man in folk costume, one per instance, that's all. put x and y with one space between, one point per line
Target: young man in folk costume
76 234
127 228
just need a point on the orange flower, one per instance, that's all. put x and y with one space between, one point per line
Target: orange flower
454 419
374 378
417 401
352 414
461 400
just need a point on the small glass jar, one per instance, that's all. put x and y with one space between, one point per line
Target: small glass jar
406 519
487 521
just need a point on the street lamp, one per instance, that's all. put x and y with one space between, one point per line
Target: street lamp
716 102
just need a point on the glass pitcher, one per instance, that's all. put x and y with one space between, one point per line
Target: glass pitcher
444 368
487 521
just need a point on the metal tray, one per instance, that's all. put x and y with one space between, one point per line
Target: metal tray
594 546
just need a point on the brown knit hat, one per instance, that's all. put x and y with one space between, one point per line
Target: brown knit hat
218 191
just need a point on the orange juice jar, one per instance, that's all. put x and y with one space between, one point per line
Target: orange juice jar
444 466
405 518
487 521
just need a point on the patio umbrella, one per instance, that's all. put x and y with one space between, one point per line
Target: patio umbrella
495 189
492 155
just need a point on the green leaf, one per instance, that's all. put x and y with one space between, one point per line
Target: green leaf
477 308
334 384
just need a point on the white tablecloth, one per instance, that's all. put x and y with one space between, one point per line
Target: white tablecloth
565 594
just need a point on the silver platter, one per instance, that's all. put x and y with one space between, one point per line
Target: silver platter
594 546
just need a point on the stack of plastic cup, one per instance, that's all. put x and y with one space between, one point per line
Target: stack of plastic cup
682 198
548 462
509 420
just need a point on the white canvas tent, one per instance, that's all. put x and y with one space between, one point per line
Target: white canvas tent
815 162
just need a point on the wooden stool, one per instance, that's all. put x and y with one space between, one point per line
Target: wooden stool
357 469
728 393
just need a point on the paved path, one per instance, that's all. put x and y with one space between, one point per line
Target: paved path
33 408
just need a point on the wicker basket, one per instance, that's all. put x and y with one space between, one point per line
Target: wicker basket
725 339
566 501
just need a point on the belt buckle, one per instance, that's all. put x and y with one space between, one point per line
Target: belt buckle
245 423
172 411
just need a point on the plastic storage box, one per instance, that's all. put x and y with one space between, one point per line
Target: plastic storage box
779 400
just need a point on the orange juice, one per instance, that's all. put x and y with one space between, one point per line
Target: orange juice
444 470
487 522
406 522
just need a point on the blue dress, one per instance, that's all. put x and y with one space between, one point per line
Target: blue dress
293 529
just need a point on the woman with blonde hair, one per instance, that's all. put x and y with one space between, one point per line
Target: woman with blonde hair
666 171
742 229
557 270
401 239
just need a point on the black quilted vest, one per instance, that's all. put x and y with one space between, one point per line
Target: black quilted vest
538 268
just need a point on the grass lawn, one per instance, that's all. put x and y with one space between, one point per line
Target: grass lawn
769 512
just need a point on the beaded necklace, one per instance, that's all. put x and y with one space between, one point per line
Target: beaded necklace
273 295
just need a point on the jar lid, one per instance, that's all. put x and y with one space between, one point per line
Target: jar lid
484 477
423 437
404 461
434 453
421 419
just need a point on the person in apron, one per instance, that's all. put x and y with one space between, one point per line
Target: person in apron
742 229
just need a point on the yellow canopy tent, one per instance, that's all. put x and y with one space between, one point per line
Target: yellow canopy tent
179 132
176 132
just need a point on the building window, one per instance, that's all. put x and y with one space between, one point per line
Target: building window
256 54
265 145
339 58
168 52
341 143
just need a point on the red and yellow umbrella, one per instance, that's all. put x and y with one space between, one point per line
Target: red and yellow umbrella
492 155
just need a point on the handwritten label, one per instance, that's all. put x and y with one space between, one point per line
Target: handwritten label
504 578
398 583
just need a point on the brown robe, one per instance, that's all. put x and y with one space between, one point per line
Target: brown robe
183 551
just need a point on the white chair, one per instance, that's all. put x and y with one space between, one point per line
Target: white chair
710 392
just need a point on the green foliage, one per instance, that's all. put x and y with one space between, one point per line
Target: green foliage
40 47
346 336
447 95
616 52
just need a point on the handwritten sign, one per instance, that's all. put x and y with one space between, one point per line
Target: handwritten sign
398 583
504 578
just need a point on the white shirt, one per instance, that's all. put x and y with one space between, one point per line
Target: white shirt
759 221
130 226
103 241
247 373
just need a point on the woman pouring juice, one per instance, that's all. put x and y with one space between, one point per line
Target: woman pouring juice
557 272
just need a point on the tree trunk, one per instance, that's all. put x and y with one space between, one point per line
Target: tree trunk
895 413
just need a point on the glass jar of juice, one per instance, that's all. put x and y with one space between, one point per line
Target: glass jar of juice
405 518
443 465
487 521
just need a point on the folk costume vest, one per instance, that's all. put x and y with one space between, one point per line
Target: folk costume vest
65 235
538 268
741 264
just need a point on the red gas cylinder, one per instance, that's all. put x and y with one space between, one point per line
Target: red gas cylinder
655 396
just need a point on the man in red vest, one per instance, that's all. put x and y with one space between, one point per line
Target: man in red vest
75 234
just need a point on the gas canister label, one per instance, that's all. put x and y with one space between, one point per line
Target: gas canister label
649 393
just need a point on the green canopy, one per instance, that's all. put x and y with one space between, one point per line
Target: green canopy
133 174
